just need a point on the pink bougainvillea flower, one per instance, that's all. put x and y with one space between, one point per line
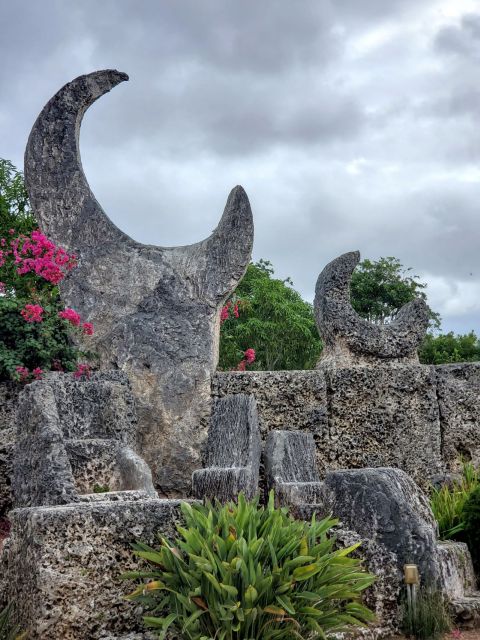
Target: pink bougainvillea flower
87 328
224 314
250 356
235 311
32 313
23 372
242 365
72 316
37 373
37 254
82 370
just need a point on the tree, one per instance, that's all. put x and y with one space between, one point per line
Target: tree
15 212
445 348
380 288
272 319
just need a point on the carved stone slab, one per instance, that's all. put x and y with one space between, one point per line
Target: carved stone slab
155 309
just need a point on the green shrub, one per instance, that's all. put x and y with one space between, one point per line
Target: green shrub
429 619
242 571
448 502
471 517
7 630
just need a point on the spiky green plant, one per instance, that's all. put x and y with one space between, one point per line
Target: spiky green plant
448 502
428 619
471 516
241 571
7 630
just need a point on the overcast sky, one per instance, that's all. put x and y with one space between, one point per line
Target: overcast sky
352 124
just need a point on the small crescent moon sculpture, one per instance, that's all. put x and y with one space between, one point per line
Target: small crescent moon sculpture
349 338
155 309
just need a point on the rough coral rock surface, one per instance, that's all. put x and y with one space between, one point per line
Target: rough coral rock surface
459 401
359 416
285 399
383 596
64 566
74 434
232 451
155 309
381 416
385 505
9 392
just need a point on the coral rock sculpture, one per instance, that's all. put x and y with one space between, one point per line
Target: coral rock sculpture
155 309
349 338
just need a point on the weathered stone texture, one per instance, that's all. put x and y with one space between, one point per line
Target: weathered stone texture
383 596
291 470
359 416
285 399
9 392
459 401
102 406
386 506
42 473
385 415
232 452
51 467
64 566
350 339
155 309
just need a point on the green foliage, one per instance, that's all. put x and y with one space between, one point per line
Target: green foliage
380 288
448 502
471 517
429 618
7 630
15 210
273 320
444 348
101 488
33 345
245 572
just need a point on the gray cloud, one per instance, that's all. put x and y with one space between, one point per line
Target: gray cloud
351 125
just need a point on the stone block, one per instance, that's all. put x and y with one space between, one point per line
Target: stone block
42 472
385 505
63 565
233 450
290 469
285 399
102 407
459 401
9 392
381 416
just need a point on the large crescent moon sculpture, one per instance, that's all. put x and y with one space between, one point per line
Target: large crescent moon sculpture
155 309
349 338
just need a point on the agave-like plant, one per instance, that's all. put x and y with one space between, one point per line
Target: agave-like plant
241 571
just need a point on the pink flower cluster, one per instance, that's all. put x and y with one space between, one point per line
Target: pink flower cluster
37 254
225 313
24 373
248 358
74 318
83 370
32 313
